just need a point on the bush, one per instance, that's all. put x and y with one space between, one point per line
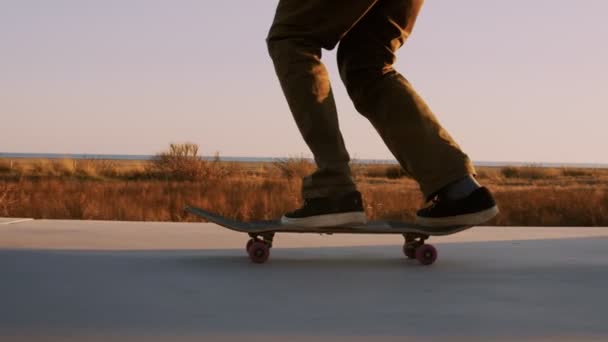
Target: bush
385 171
529 172
179 162
7 198
6 166
394 172
62 167
569 172
490 173
106 168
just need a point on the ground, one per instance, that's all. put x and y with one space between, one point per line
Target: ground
99 280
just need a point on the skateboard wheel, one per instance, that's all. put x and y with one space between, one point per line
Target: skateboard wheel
409 251
426 254
259 252
249 243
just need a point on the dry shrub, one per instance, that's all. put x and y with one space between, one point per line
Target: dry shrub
41 168
54 198
81 168
390 202
216 168
266 191
255 198
105 168
86 168
238 198
62 167
490 173
294 167
553 207
529 172
180 162
6 166
373 171
387 171
395 172
8 197
142 172
244 199
575 172
52 168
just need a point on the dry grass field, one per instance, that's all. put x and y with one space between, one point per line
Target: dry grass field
158 190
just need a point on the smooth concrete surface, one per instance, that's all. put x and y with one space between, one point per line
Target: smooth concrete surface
106 281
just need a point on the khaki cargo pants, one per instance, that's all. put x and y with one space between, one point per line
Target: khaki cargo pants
369 33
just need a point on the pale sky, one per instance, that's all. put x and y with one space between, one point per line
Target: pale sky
519 80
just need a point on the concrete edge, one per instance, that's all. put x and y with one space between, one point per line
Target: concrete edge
15 221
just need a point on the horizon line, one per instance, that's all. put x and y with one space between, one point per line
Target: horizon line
108 156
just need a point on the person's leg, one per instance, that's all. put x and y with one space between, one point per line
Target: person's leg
406 124
299 31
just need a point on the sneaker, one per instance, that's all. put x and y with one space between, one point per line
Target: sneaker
328 212
475 209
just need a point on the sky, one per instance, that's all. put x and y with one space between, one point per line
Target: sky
522 81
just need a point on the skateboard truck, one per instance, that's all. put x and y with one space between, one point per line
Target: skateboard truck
263 237
416 248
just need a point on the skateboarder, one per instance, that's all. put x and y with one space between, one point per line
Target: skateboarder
369 33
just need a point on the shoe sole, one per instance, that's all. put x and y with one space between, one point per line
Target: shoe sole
473 219
329 220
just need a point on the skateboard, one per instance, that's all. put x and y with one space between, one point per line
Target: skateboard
261 234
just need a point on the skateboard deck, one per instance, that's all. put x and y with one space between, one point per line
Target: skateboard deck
275 226
262 233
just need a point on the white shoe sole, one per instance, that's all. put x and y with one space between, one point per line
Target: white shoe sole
330 220
473 219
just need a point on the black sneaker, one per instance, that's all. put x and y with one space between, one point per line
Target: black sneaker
328 212
475 209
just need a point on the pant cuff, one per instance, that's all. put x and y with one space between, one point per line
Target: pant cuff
432 186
